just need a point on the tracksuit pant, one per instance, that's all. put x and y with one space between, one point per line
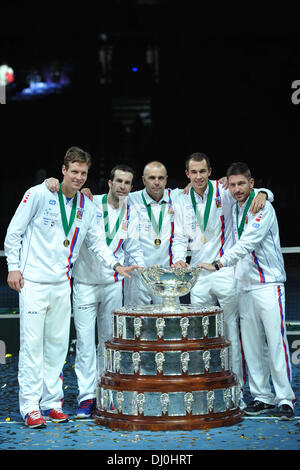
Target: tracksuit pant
93 304
45 311
219 288
262 313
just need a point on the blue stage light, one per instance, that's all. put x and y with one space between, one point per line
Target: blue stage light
134 69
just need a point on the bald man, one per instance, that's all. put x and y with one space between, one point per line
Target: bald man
155 206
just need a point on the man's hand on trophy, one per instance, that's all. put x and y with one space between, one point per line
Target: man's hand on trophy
125 270
180 264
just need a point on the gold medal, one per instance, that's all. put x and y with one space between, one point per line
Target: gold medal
157 227
203 239
66 225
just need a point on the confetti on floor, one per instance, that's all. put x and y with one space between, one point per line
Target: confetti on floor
261 433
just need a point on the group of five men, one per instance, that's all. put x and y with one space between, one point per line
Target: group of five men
57 233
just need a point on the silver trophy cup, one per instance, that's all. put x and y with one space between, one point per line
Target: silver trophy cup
169 283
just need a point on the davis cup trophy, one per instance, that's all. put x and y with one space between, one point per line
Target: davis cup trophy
168 366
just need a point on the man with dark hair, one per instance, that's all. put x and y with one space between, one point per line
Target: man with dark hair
197 157
260 274
97 289
203 223
42 243
122 167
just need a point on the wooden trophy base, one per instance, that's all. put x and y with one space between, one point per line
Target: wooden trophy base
168 423
168 371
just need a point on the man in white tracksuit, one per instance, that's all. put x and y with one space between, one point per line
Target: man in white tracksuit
97 288
260 273
42 243
203 223
155 207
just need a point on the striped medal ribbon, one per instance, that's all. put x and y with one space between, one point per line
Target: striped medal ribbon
240 227
110 234
66 225
156 227
203 222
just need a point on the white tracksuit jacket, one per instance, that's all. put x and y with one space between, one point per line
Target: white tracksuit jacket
163 254
218 233
260 275
87 268
35 236
257 255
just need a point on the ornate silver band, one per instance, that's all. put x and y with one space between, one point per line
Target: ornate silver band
172 404
191 362
169 327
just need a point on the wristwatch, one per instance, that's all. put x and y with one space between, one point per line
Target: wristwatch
116 265
215 264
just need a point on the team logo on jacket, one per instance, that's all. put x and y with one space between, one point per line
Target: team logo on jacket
218 202
79 214
256 224
52 202
125 225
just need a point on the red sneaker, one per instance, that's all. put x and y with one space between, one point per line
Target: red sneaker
56 415
35 420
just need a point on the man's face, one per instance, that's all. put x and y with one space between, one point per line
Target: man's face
121 185
155 180
198 174
75 175
240 187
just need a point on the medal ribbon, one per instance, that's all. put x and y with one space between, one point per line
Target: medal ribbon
111 234
202 224
152 218
66 225
240 227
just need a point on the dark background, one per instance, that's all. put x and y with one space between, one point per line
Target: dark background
222 84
